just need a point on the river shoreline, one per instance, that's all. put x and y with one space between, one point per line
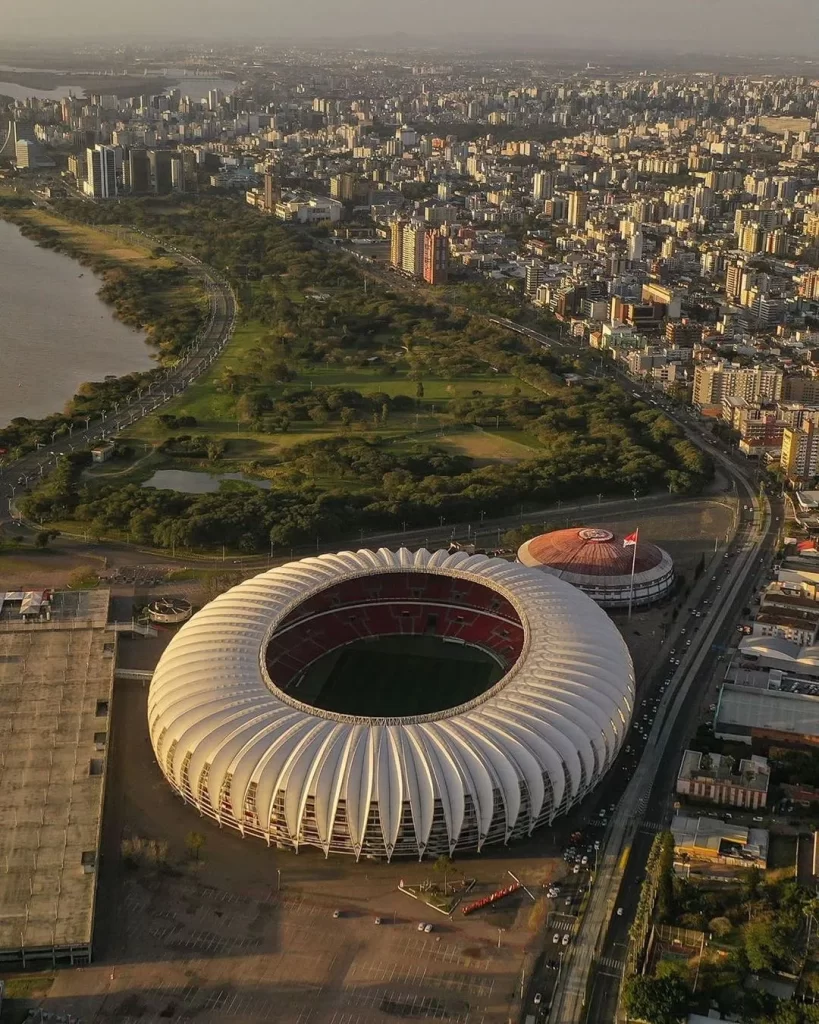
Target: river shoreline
52 340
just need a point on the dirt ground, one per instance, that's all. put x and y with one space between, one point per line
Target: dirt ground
248 932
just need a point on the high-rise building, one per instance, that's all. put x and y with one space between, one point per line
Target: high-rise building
733 281
214 98
800 452
178 173
543 186
578 208
412 250
272 192
397 243
436 257
101 180
139 171
809 285
536 275
715 381
752 238
342 186
161 178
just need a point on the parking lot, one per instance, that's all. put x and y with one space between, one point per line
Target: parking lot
249 933
188 949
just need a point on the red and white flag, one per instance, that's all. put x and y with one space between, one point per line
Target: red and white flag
631 539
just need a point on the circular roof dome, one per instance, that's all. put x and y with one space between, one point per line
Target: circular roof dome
589 552
233 737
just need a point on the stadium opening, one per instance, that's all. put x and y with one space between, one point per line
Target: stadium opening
391 703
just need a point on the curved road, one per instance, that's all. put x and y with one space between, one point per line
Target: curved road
213 337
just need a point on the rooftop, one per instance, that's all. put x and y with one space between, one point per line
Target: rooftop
712 837
55 691
752 773
743 708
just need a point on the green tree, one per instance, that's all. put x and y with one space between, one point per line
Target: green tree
665 881
442 866
194 842
763 945
657 1000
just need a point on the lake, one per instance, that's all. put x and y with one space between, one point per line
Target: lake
55 333
188 481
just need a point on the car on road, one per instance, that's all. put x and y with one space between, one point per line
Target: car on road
538 998
377 921
555 938
566 938
421 926
427 928
619 911
336 913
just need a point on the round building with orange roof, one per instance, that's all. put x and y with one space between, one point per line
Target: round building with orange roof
597 562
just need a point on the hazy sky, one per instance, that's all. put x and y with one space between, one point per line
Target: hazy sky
759 26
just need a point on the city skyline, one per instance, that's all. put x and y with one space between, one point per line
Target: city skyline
730 26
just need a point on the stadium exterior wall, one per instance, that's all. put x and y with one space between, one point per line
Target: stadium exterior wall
254 758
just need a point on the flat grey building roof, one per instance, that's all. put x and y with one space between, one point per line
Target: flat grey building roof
743 708
56 683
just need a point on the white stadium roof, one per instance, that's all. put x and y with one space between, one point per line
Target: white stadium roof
253 757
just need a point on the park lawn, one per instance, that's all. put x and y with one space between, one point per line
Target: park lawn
522 437
484 445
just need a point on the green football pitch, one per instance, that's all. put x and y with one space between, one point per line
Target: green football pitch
396 676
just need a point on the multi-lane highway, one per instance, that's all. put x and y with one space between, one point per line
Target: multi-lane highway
592 970
213 337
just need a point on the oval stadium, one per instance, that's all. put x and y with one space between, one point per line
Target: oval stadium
597 562
385 704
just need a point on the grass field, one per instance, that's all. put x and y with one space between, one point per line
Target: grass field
488 445
116 245
393 676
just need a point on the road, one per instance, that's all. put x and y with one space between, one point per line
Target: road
213 337
592 971
647 796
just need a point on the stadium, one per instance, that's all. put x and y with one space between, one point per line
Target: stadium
386 704
597 563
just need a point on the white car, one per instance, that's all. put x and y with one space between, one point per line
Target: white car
537 998
566 939
555 938
427 928
619 911
421 926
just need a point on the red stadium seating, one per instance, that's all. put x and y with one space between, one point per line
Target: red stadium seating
392 604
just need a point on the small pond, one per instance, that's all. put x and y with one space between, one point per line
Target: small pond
189 481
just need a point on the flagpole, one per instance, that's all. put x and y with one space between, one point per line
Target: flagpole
633 566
